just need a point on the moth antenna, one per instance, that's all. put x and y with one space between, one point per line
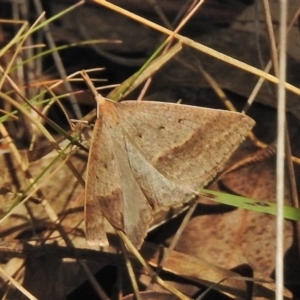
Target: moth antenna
100 100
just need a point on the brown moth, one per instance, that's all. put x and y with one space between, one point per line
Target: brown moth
148 155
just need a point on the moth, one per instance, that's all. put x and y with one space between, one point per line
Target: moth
145 156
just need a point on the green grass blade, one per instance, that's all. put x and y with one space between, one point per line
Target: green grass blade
290 213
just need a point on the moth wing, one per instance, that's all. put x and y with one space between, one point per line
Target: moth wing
102 185
137 212
187 144
160 191
111 189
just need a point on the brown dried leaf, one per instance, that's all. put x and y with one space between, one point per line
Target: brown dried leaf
237 237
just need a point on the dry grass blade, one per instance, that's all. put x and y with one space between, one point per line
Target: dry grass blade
280 161
17 285
58 60
170 40
50 211
200 47
153 275
151 69
225 243
179 232
131 273
267 68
